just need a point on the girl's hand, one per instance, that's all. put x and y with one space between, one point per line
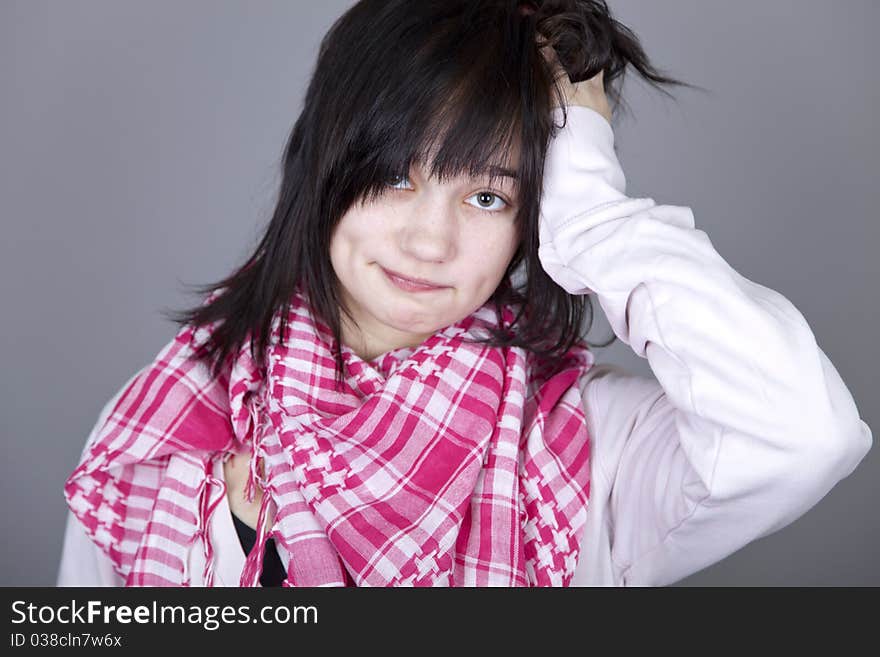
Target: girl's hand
587 93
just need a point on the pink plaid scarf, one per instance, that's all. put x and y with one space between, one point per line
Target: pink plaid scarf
450 464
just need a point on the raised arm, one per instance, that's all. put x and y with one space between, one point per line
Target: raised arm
751 424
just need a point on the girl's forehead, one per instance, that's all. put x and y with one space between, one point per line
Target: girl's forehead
501 172
503 166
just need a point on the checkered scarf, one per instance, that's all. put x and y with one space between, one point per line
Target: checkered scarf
448 464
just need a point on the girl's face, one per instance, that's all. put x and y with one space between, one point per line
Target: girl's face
452 241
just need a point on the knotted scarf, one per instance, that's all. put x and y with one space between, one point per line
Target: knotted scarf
448 464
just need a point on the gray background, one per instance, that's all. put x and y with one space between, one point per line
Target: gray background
139 148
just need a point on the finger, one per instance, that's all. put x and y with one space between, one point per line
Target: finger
559 72
549 53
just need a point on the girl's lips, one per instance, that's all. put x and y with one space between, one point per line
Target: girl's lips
411 285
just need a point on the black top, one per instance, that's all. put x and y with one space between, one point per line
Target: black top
273 570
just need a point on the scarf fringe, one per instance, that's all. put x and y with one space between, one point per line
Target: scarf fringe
207 506
255 408
253 565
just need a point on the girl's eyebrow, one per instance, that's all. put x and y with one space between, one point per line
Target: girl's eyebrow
501 171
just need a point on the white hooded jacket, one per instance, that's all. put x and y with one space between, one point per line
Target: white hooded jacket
745 428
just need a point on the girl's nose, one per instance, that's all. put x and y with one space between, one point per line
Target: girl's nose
429 230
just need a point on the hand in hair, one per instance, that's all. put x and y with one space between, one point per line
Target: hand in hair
586 93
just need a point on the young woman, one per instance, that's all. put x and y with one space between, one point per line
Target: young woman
394 388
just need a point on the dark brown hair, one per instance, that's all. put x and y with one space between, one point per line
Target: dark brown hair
394 79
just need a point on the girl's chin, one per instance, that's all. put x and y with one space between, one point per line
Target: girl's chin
414 325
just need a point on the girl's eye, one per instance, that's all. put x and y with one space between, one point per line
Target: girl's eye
395 181
487 200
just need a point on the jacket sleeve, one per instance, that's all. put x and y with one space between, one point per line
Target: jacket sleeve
751 424
82 562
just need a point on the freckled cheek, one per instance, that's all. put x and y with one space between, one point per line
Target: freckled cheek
343 257
487 258
350 243
499 245
363 234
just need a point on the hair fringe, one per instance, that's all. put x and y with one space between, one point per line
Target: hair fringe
385 70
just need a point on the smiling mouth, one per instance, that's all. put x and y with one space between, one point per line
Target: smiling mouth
411 284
